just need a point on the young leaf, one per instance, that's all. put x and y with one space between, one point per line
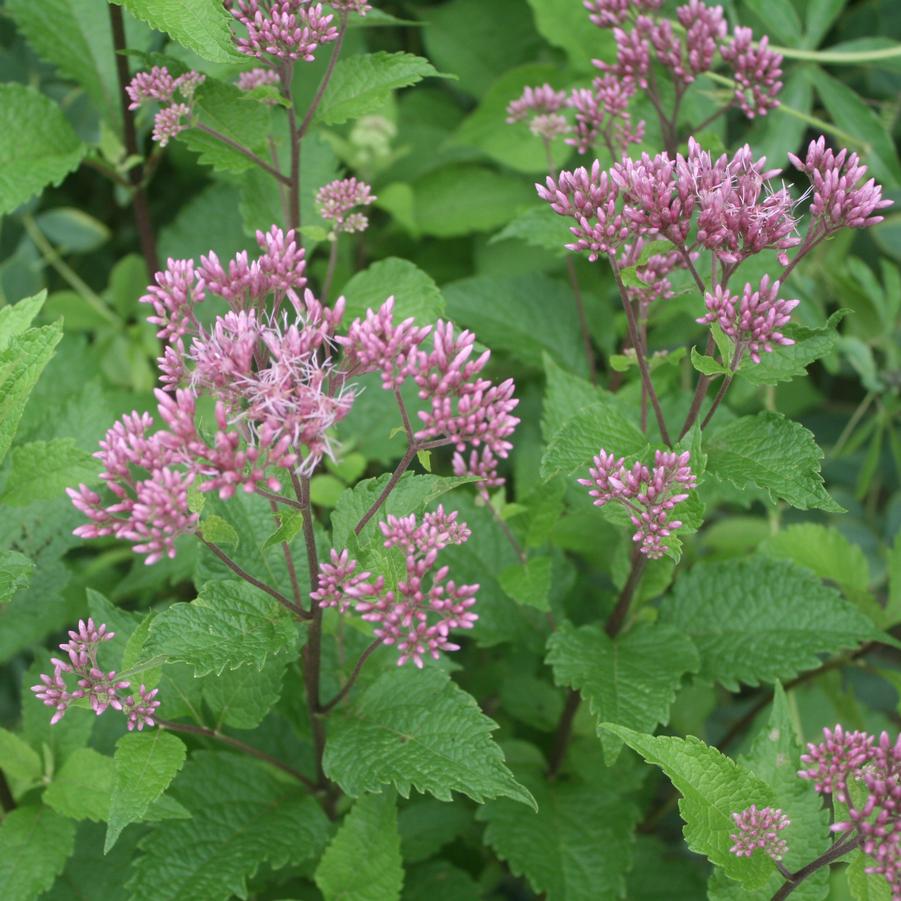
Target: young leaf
631 679
713 787
15 574
565 396
290 523
35 843
16 318
230 624
38 146
528 583
242 816
18 759
436 741
42 470
773 453
241 698
363 862
415 292
759 620
538 226
146 762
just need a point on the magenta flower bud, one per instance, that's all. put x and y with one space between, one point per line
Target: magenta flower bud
169 122
157 84
759 830
609 13
336 199
256 78
532 101
757 71
284 29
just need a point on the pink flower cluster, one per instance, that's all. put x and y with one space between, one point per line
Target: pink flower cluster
336 200
653 274
159 86
464 408
101 689
284 29
417 616
703 36
256 78
541 107
874 809
758 829
754 320
647 494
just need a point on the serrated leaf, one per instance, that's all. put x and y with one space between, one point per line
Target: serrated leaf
18 759
21 364
573 446
17 317
565 396
242 816
528 583
81 789
759 620
773 453
538 226
414 291
713 787
427 825
363 862
35 843
15 574
229 624
864 886
219 531
145 764
360 84
418 729
290 523
202 26
242 698
38 147
708 365
42 470
631 679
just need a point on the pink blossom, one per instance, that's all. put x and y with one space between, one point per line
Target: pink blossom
284 29
653 275
756 70
758 829
256 78
608 13
141 708
633 60
831 762
173 297
169 122
543 99
336 200
157 84
603 112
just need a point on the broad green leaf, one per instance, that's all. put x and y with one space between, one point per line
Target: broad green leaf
824 550
21 364
435 740
759 620
81 789
361 84
414 291
18 759
773 453
576 847
289 524
538 226
230 624
243 815
631 679
427 825
527 316
201 25
42 470
819 17
564 397
528 583
17 317
38 147
206 220
713 787
600 425
465 198
864 886
413 494
566 25
439 879
15 574
781 20
707 365
241 698
146 762
35 843
71 230
363 862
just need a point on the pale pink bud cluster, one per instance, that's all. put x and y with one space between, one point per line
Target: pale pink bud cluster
102 689
841 197
418 615
874 808
757 71
654 275
602 113
752 321
759 830
609 13
648 494
256 78
540 106
159 86
284 29
336 200
360 7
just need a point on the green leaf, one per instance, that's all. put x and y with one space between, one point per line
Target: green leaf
773 453
219 531
713 787
230 624
864 886
72 230
565 396
35 843
363 862
538 226
528 583
893 607
414 291
427 825
243 815
819 18
18 759
21 364
439 879
418 729
574 445
38 147
201 25
527 316
15 574
146 762
81 789
16 318
780 19
566 25
631 679
42 470
361 84
290 523
707 365
242 698
759 620
465 198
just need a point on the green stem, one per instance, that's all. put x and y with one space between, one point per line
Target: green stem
839 57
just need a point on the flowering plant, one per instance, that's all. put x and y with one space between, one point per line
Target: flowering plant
410 467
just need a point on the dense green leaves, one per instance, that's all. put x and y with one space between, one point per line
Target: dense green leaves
759 620
42 470
15 573
17 758
35 843
414 291
419 730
